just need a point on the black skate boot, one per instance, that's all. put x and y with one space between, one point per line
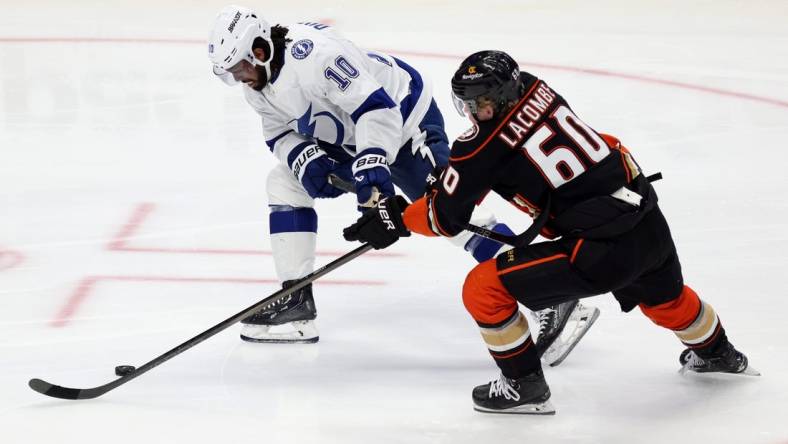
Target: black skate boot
289 321
528 395
727 360
560 329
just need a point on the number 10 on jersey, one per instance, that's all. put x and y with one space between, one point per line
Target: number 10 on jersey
349 71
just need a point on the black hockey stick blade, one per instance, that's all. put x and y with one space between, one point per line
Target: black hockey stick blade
54 391
57 391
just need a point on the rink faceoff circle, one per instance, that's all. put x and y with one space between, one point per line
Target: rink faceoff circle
10 259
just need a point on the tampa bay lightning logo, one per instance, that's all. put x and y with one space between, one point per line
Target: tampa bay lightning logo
302 48
308 127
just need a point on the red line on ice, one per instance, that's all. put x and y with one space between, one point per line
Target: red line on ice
10 259
138 216
86 286
131 226
434 55
606 73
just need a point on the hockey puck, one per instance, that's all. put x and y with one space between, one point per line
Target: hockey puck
123 370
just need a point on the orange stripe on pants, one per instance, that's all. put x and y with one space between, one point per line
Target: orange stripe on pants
677 314
485 297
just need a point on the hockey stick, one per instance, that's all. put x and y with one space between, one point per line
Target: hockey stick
57 391
520 240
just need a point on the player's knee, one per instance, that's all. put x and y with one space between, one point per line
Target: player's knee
677 313
484 295
284 189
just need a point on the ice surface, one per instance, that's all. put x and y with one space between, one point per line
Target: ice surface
133 216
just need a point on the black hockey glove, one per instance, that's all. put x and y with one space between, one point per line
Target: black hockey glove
381 225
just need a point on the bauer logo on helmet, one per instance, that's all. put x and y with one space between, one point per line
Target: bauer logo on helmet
234 22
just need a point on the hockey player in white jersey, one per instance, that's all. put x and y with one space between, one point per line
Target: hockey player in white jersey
328 108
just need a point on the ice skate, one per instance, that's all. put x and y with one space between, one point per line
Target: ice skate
289 321
560 329
528 395
729 360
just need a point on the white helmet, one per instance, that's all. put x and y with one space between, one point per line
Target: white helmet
234 31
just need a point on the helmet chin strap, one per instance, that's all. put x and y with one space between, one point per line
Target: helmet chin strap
266 67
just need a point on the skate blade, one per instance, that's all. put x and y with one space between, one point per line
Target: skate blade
544 408
561 348
749 371
283 340
297 332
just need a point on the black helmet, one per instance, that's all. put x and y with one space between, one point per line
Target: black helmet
493 75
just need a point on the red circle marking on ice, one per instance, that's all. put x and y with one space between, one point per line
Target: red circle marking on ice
10 259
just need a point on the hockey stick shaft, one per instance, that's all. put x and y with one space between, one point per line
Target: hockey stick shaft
56 391
348 187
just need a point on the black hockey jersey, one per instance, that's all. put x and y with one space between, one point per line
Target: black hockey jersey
539 148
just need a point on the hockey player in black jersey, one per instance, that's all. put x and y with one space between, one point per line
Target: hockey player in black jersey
599 210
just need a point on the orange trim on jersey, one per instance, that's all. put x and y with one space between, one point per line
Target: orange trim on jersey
612 141
575 250
532 263
416 217
435 216
501 125
677 314
485 297
615 144
624 166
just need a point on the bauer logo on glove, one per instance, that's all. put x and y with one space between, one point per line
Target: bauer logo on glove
384 216
371 172
381 225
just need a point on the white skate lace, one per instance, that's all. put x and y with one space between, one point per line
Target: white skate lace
275 304
545 318
503 387
694 361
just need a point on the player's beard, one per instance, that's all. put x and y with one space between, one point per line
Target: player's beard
262 78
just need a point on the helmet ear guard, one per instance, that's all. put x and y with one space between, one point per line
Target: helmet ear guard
232 39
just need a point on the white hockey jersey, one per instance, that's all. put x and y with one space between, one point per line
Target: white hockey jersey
333 91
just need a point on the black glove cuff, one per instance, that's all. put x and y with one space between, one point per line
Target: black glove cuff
394 207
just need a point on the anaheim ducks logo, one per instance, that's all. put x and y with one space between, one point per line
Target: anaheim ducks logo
471 70
469 134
